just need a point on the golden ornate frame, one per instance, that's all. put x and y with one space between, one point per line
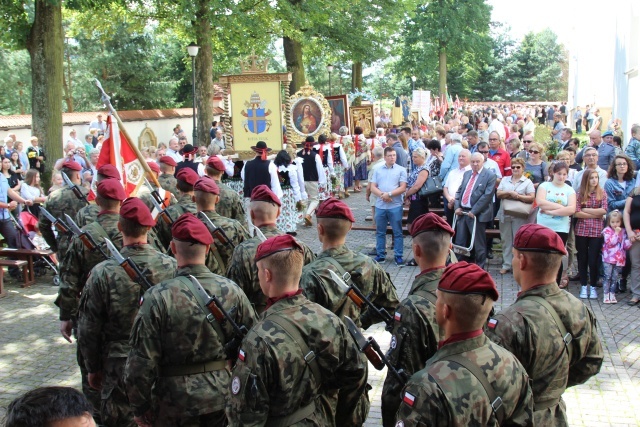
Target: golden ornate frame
307 93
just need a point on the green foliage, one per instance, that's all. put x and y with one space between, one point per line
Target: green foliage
15 82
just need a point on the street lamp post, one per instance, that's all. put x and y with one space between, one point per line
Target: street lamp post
330 69
193 52
413 82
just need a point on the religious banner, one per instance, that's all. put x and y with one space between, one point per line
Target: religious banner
422 102
309 115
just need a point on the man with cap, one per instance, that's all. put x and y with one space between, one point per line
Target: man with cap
415 333
264 209
89 213
206 195
189 152
108 306
469 380
167 177
294 361
230 204
528 328
59 202
186 179
314 177
177 369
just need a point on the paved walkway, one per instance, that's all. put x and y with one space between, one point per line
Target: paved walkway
33 353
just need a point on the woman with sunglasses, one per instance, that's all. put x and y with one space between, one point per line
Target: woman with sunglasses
535 166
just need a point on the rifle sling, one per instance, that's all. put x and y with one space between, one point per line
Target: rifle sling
203 306
214 249
567 338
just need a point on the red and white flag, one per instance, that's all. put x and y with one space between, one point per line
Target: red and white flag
118 151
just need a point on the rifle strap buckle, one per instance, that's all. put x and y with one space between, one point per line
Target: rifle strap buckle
309 356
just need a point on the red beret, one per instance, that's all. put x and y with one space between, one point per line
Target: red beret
187 175
188 228
334 208
135 210
111 189
465 278
429 222
207 185
262 193
538 238
72 164
109 171
284 242
154 167
168 160
216 163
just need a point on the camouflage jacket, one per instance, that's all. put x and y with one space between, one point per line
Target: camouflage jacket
110 302
172 331
78 262
58 203
231 205
414 338
243 270
271 378
234 231
528 331
168 182
162 229
366 274
87 215
445 393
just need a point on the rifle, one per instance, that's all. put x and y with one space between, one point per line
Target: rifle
130 267
217 312
154 193
57 223
371 349
162 212
216 231
85 237
360 299
76 190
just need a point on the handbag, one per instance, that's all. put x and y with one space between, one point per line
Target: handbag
432 185
516 208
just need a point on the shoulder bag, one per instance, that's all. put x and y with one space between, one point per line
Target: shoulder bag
516 208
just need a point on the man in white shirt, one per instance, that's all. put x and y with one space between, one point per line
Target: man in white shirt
497 126
99 124
453 181
174 149
73 139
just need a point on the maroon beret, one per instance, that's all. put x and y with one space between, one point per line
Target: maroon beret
188 228
168 160
187 175
109 171
154 167
538 238
284 242
465 278
135 210
262 193
72 164
216 163
111 189
334 208
207 185
429 222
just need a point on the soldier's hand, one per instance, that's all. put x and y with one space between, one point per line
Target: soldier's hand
95 380
65 329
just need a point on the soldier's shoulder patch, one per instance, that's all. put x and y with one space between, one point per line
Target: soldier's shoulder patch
394 342
400 423
492 323
241 355
409 399
235 385
397 316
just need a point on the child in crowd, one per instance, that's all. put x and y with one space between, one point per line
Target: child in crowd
614 254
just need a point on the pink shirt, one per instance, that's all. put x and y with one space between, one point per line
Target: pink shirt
615 246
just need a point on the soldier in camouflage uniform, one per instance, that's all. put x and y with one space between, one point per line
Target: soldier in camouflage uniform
335 220
59 202
415 333
177 370
89 213
108 306
231 204
469 381
528 329
264 209
167 177
186 180
273 382
144 193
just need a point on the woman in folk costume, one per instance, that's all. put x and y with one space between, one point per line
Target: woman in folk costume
339 165
324 151
350 152
291 196
362 156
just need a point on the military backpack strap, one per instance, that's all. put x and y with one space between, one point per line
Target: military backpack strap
496 401
567 338
214 250
429 296
337 308
203 306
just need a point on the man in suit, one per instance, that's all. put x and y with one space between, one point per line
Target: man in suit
474 200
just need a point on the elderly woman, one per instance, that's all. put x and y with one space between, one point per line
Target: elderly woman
415 181
519 188
535 166
514 147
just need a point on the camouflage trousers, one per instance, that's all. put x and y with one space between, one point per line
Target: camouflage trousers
114 406
214 419
92 395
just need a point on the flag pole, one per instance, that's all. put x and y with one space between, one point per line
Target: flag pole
107 101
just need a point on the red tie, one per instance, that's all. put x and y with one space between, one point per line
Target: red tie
467 192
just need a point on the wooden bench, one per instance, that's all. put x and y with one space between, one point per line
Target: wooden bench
27 255
11 263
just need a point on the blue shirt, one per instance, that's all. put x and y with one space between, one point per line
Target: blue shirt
559 224
402 158
617 193
388 179
450 160
4 193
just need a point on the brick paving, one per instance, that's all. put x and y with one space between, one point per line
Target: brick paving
33 353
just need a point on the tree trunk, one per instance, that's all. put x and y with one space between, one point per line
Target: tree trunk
356 76
442 61
295 65
45 45
204 73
